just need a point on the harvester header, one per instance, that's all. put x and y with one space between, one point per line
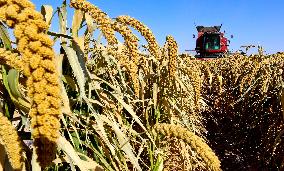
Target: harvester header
213 29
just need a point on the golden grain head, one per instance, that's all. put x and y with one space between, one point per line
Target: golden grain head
131 41
11 59
31 43
172 55
12 143
145 32
103 21
209 158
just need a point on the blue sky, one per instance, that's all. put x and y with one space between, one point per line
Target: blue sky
250 21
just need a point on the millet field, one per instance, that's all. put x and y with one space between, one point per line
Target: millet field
92 97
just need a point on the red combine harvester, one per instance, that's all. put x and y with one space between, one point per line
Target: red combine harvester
210 43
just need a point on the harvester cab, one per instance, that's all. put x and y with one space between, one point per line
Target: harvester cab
210 43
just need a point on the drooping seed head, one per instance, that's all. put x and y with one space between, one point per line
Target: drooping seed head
103 21
11 141
35 46
145 32
172 55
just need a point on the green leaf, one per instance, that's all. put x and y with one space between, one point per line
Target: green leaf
159 164
4 35
70 81
19 102
76 140
13 77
